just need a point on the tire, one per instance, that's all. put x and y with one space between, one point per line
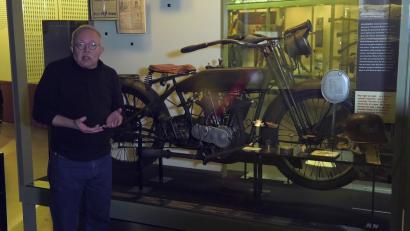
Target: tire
126 161
317 174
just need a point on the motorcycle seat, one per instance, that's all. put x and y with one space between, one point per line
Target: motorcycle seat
171 69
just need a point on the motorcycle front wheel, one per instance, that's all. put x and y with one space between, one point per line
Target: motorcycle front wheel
311 174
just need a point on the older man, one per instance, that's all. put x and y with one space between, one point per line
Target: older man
79 98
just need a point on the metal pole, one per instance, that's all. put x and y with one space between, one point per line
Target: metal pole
333 127
401 173
22 116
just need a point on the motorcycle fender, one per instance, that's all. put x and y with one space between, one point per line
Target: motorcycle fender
313 84
146 91
307 85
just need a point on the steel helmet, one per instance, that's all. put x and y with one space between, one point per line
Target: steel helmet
365 128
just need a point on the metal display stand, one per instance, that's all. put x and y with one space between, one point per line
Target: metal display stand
158 195
258 166
258 157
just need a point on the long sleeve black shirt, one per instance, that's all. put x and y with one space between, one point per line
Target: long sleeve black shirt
71 91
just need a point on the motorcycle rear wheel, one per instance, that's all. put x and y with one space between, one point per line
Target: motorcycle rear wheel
124 145
316 175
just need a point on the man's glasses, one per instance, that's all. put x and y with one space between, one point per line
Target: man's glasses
90 45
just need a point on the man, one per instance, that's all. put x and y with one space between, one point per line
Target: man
79 98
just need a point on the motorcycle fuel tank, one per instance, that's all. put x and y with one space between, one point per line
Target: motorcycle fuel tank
224 79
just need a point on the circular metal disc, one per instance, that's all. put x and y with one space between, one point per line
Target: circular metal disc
335 86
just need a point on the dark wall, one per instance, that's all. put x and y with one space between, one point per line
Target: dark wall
6 89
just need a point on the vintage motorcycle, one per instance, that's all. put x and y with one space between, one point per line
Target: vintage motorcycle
217 112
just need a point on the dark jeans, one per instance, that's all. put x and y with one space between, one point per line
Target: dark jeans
80 193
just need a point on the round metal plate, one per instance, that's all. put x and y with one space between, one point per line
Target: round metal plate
335 86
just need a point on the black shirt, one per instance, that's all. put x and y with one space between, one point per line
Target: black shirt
71 91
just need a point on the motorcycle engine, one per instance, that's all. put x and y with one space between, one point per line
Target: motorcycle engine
222 124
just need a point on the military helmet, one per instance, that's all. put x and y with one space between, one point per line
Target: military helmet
365 128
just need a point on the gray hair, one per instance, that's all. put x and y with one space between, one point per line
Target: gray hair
82 28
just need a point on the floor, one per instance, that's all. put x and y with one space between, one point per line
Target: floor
39 150
40 157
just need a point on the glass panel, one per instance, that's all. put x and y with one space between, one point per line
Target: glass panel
44 32
333 39
34 171
334 43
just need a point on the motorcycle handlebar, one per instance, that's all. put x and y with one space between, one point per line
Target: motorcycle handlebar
249 41
191 48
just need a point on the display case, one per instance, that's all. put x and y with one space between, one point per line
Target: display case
334 46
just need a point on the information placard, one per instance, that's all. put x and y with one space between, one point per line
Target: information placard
379 27
377 102
131 16
377 57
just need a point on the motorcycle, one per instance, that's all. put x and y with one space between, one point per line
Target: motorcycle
213 114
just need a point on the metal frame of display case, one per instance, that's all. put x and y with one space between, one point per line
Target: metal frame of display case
31 196
401 171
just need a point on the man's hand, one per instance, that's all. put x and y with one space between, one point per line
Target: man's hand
80 125
114 119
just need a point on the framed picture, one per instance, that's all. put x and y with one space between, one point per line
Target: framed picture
104 10
131 16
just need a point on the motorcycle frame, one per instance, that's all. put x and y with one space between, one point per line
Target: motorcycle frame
280 72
